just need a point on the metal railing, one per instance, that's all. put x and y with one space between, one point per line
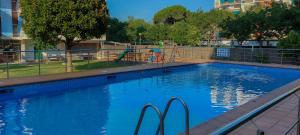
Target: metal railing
160 128
296 126
257 55
161 121
34 63
186 109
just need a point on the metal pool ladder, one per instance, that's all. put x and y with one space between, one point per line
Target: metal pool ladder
162 117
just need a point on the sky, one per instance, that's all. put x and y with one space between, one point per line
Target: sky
145 9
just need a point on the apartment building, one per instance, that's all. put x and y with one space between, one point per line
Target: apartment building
237 6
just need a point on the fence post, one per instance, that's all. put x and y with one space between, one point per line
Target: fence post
281 57
40 56
66 65
244 54
20 56
262 55
89 59
135 54
107 56
251 60
7 67
215 53
71 55
192 53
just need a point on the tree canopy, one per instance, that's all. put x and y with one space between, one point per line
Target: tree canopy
239 29
189 28
135 28
292 41
271 23
158 33
49 21
64 20
117 31
207 24
170 15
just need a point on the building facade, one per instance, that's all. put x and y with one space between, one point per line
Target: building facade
11 25
237 6
12 36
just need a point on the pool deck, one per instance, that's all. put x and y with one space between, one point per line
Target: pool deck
276 120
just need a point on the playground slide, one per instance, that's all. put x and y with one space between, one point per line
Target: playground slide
122 55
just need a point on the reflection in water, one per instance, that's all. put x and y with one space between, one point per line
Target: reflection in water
228 88
57 114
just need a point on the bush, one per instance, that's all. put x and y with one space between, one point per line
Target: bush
292 41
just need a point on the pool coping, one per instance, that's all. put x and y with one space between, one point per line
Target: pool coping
86 74
220 121
261 64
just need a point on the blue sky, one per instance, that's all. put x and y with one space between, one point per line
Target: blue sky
145 9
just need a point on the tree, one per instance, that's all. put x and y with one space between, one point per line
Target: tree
158 33
278 20
238 28
171 15
292 41
178 33
194 36
136 27
295 20
264 23
66 21
258 25
207 24
117 31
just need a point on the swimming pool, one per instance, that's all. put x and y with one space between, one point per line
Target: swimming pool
111 104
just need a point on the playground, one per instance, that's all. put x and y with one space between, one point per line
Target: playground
53 62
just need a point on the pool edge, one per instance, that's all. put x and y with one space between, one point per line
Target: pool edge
86 74
220 121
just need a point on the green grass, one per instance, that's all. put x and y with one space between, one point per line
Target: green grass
23 70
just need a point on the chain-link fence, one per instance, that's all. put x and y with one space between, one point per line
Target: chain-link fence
257 55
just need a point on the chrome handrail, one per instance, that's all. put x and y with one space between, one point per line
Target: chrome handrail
298 119
161 122
187 127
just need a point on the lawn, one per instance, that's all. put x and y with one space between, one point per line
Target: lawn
23 70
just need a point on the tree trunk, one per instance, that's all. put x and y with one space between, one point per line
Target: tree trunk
240 43
68 53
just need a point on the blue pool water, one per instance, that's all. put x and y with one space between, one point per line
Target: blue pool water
111 104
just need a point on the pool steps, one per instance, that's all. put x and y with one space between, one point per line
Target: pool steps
162 117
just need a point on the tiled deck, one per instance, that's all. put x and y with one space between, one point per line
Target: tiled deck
274 121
